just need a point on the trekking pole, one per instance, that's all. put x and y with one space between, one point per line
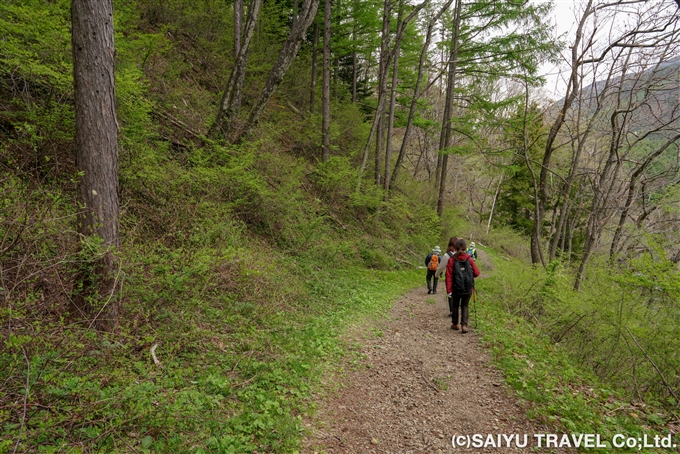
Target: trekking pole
474 304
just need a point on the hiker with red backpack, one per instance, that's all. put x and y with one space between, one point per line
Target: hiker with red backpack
450 252
432 262
461 272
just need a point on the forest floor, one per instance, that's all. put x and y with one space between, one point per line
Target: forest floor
413 383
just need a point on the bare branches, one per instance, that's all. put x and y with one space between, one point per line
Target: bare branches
656 368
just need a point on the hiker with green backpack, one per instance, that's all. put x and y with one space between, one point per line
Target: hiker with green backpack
472 250
432 263
461 272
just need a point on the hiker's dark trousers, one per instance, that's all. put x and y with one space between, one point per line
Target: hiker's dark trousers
429 277
460 301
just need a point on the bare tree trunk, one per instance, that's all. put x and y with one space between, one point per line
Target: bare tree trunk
493 205
238 19
380 134
384 62
438 172
447 132
377 119
96 143
315 45
354 51
383 68
231 99
603 186
393 103
572 91
607 180
420 156
374 127
326 120
580 139
354 76
442 185
416 90
536 249
336 60
287 54
566 209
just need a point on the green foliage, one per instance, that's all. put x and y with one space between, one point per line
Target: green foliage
516 202
574 356
35 47
36 118
335 180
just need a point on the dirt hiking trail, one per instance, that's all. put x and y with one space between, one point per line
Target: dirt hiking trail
417 384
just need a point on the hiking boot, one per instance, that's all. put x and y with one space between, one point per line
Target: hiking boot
454 326
464 330
429 291
434 292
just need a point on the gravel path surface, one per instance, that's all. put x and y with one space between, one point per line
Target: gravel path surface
417 384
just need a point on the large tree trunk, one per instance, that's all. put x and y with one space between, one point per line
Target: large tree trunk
231 99
393 103
447 131
287 54
326 120
96 142
385 58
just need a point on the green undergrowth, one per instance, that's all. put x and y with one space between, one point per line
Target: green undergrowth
235 368
533 323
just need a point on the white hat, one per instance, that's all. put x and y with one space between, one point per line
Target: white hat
472 244
437 249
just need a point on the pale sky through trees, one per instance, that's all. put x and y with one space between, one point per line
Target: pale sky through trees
563 18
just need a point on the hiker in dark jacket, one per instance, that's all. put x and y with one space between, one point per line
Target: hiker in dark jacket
432 262
460 274
450 252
